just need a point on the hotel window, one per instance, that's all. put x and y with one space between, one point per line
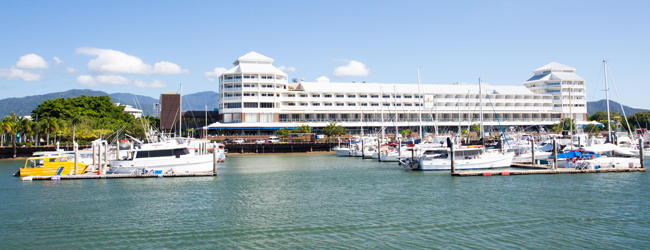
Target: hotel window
247 85
364 104
291 95
237 77
303 96
386 96
328 104
250 105
266 118
227 118
291 104
374 104
352 96
304 104
340 96
233 105
315 96
264 94
386 104
247 77
398 104
408 104
363 96
229 78
339 104
315 104
374 96
327 96
408 96
398 96
417 104
263 77
352 104
266 105
252 117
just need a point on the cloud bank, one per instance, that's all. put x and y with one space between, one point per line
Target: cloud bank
353 68
213 75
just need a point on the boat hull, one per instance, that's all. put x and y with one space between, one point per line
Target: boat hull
194 164
342 152
493 161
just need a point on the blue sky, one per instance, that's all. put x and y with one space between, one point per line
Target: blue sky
147 48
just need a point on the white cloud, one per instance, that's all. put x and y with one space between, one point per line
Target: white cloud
283 68
19 74
70 70
31 61
115 80
57 60
212 75
153 85
168 68
110 62
104 80
353 68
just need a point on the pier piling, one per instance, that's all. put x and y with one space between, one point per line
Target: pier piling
215 161
76 156
641 151
532 151
554 154
452 155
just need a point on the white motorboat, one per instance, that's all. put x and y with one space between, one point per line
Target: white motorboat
342 151
161 158
466 158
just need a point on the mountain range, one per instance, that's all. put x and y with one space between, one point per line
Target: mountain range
197 101
24 105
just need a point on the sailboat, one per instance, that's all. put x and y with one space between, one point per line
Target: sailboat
466 157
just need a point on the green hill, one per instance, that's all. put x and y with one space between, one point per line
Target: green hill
593 107
24 105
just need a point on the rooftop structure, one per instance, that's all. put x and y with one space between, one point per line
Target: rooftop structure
137 113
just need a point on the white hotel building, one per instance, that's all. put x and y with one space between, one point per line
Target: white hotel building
256 98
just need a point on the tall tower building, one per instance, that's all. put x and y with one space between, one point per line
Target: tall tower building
567 88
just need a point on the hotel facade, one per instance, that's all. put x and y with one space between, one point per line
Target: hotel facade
257 98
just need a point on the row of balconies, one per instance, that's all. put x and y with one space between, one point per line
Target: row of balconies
406 100
423 120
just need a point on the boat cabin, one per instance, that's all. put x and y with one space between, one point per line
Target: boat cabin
156 153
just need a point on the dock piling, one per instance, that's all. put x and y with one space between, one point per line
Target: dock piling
452 155
554 154
532 151
76 156
641 151
214 160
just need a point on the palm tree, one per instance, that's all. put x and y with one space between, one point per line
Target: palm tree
25 128
36 127
75 120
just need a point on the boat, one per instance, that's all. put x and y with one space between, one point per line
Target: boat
342 151
161 158
465 159
583 159
51 165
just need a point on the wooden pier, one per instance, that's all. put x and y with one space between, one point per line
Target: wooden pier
546 171
111 176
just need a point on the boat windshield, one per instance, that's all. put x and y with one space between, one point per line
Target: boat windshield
177 152
443 154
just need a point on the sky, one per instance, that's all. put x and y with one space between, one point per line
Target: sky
149 47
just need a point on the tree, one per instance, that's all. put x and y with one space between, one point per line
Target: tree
75 121
591 128
284 132
332 129
36 128
405 133
477 128
640 119
564 125
304 129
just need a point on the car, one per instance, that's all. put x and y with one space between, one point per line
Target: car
260 141
226 141
274 139
239 141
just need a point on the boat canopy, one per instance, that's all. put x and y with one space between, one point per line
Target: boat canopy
577 153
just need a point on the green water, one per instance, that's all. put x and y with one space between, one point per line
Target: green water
323 201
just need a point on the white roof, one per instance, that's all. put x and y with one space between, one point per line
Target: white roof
338 87
255 69
555 76
554 66
253 57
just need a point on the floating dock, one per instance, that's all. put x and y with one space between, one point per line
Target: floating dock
546 171
111 176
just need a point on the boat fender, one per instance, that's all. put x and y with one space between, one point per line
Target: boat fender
574 159
476 157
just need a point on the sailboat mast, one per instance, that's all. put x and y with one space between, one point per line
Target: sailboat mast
437 117
206 122
420 107
480 98
180 112
396 115
383 129
609 128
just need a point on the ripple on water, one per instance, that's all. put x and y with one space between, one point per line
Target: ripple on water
323 201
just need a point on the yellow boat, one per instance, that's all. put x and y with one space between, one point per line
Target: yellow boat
51 165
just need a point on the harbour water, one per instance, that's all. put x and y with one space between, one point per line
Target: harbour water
323 201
